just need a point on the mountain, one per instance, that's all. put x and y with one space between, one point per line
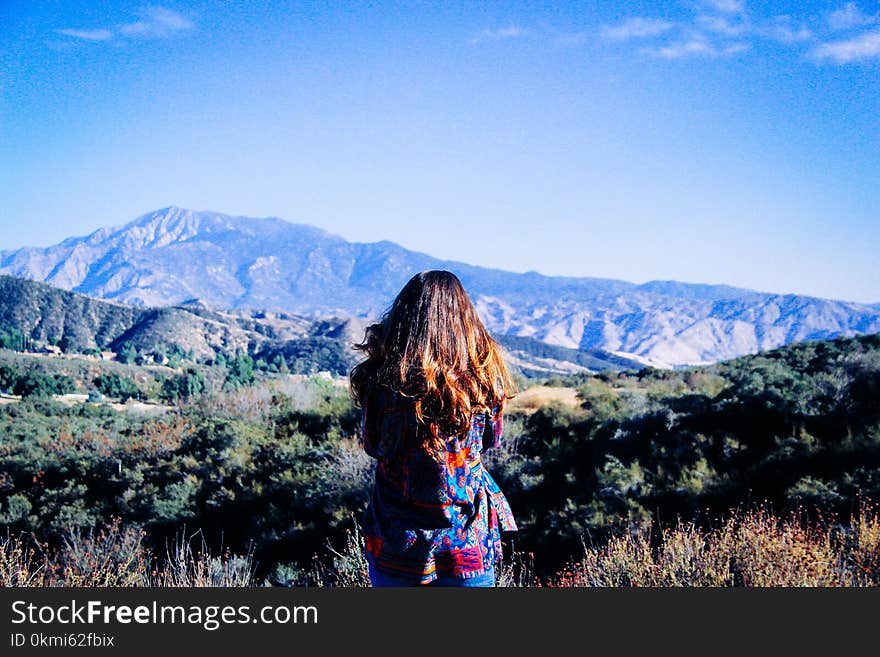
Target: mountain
173 255
48 315
535 358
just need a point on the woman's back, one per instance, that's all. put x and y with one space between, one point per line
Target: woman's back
432 390
430 516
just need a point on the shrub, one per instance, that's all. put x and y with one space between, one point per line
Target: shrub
118 387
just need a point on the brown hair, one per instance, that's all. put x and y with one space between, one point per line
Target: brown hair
430 345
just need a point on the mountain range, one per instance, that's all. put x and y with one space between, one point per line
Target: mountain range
229 263
76 323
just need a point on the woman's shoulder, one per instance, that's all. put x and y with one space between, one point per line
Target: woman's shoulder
390 405
384 395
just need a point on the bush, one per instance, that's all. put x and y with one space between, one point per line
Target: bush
118 387
36 384
184 386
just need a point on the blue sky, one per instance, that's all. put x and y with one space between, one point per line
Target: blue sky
718 141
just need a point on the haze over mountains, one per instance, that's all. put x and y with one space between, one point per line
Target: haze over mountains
173 255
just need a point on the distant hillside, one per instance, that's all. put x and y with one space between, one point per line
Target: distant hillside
78 323
48 315
535 358
172 255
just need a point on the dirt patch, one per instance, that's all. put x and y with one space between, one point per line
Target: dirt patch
132 406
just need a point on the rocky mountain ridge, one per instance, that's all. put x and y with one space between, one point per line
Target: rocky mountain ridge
173 255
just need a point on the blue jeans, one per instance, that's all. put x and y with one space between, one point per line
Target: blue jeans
381 579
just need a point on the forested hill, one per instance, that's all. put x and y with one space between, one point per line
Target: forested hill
35 315
44 314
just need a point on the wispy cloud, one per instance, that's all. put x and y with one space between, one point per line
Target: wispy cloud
727 6
88 35
734 48
696 47
850 16
156 22
496 34
153 22
780 28
636 27
723 25
784 30
717 29
685 40
681 49
722 28
863 46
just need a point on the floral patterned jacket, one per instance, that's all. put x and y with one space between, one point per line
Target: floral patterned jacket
427 517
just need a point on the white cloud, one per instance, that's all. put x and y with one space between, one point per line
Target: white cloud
722 25
783 30
696 47
637 27
780 28
727 6
850 16
156 22
682 49
88 35
509 32
864 46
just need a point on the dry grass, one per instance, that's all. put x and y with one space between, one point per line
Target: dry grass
754 549
20 565
185 565
749 549
115 556
348 566
531 399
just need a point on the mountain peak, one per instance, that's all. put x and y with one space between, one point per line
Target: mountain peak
171 213
161 227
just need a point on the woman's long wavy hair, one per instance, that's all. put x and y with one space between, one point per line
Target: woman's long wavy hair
430 345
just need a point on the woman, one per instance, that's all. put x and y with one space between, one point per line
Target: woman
432 390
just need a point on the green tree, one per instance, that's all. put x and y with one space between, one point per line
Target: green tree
116 386
279 364
184 386
127 354
241 371
36 384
